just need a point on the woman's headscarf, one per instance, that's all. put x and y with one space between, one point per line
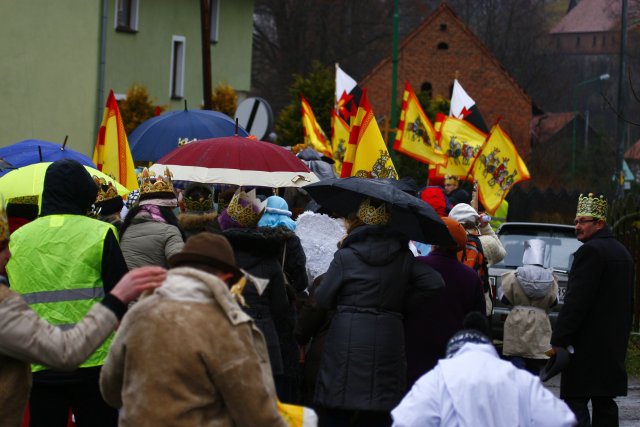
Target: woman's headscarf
277 214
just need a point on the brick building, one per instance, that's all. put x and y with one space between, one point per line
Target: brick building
431 56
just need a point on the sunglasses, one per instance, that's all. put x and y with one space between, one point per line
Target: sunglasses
584 221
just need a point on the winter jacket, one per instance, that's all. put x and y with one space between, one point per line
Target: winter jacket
532 291
429 327
189 356
260 251
194 223
596 318
492 248
25 338
150 242
476 388
371 282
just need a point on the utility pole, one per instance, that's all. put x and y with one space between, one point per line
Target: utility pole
394 69
620 123
205 27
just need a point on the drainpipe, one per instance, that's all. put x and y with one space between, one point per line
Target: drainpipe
102 65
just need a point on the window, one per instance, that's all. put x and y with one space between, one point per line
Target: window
426 88
214 18
443 46
578 41
443 27
603 41
177 66
595 40
126 15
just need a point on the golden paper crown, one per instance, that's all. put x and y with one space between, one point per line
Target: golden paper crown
106 189
372 215
24 200
249 215
4 225
592 206
202 205
450 179
152 186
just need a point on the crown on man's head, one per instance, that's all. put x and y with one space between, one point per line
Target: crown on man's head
371 215
106 189
248 215
156 187
592 206
198 205
450 179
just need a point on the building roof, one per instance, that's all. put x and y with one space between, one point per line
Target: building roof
445 8
633 153
591 16
545 126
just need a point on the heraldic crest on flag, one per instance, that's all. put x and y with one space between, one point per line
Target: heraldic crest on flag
460 151
496 170
416 136
380 168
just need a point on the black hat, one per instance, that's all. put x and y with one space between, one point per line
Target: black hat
208 249
555 364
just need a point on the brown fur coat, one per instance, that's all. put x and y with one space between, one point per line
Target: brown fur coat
189 356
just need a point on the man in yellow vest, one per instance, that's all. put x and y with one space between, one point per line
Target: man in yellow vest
25 337
63 263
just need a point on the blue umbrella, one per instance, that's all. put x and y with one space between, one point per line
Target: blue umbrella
160 135
32 151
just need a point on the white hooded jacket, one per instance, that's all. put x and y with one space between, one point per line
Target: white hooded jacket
476 388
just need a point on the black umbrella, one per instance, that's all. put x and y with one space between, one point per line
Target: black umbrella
409 215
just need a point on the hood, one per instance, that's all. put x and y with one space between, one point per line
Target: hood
68 189
536 281
322 169
375 244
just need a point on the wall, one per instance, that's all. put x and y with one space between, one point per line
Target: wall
479 73
48 71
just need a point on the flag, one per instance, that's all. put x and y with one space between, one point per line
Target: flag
112 154
339 139
314 136
497 169
461 142
464 107
366 155
344 83
416 136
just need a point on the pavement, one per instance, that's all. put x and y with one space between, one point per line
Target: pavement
628 406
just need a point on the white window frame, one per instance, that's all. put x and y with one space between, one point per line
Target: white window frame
177 65
133 18
214 20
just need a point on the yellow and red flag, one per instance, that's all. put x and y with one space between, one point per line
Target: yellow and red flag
461 142
416 136
498 168
112 154
314 136
366 155
339 139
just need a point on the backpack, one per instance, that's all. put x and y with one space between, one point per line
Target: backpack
473 256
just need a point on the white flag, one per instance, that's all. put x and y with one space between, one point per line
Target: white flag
344 82
461 103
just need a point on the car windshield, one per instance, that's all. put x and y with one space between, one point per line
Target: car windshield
559 249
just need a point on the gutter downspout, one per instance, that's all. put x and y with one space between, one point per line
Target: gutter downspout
102 64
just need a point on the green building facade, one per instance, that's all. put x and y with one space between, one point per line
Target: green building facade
60 59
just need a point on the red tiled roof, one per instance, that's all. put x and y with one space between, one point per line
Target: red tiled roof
633 153
591 16
545 126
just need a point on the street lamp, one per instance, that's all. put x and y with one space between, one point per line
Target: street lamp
601 77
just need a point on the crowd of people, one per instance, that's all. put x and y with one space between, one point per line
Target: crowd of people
223 318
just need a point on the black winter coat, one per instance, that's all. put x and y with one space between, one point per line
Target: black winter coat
370 282
259 251
596 318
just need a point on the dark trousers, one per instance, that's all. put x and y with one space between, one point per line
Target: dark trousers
346 418
49 405
605 411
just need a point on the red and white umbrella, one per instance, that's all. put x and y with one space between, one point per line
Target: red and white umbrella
236 160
